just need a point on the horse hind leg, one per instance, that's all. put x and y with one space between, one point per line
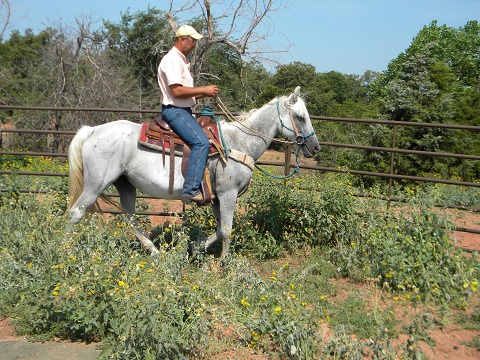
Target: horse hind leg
127 194
83 203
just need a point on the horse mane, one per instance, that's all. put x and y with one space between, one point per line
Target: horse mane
245 115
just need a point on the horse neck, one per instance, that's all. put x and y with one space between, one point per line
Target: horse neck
255 134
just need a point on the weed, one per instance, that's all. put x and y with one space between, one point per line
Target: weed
94 282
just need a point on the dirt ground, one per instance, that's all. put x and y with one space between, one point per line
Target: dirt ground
449 341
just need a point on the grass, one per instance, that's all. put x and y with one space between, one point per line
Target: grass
314 272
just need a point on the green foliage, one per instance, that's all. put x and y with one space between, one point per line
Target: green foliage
11 186
434 80
447 194
95 283
410 251
293 218
92 283
19 55
139 40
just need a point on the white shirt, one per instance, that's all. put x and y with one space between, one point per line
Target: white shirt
174 69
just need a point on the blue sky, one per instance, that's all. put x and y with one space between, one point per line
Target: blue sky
349 36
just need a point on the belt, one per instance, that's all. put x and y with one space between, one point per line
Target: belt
177 107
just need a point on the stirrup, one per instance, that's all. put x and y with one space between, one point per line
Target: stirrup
206 188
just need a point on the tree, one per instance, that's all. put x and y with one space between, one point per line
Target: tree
435 80
5 13
140 40
19 56
241 26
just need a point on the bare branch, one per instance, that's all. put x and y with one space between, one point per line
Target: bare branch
243 25
5 14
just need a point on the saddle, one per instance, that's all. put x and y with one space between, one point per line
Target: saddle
158 135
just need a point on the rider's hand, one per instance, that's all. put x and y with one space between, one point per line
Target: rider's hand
211 90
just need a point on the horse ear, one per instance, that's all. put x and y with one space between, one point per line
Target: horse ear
295 95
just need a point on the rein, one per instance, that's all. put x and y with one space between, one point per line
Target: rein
299 137
294 171
233 119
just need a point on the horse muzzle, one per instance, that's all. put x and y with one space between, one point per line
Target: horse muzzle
310 148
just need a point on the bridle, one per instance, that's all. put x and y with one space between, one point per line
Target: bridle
299 137
299 141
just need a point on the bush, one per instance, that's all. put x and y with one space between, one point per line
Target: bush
94 282
307 212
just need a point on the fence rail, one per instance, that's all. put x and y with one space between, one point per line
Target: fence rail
287 164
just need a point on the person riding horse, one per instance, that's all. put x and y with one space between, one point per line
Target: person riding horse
178 98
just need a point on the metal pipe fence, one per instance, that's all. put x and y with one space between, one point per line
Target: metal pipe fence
287 163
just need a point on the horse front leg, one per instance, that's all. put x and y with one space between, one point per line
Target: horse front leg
223 209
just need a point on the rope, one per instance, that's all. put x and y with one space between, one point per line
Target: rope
233 119
225 110
294 171
209 112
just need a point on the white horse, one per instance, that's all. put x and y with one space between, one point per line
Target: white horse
110 154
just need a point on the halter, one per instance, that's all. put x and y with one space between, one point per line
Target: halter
299 140
299 137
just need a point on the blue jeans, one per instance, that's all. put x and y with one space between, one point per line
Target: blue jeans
184 124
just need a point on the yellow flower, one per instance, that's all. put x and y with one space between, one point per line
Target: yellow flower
278 309
244 302
407 296
474 286
292 286
55 293
121 283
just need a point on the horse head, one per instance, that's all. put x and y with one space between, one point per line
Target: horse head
297 126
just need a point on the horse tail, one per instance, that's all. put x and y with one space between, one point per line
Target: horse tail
75 164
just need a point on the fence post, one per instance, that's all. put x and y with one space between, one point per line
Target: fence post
288 158
392 163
